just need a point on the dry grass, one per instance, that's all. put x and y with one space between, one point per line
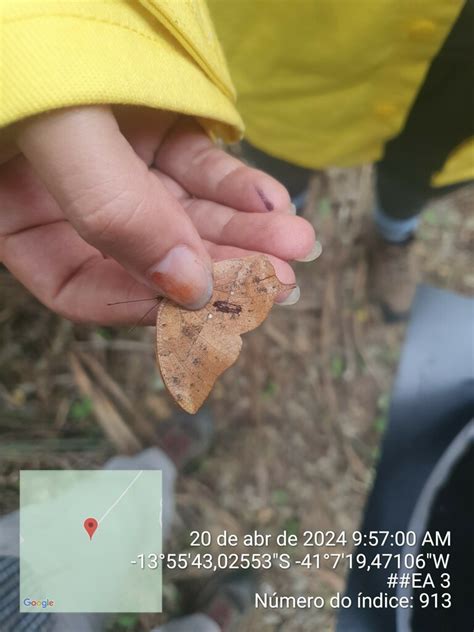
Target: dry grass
298 418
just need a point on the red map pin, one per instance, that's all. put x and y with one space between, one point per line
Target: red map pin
90 525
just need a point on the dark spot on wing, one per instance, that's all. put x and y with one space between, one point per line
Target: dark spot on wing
190 331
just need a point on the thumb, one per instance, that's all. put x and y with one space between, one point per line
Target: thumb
116 204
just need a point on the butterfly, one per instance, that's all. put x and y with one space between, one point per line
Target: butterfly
193 348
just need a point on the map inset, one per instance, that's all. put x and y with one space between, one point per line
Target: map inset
80 535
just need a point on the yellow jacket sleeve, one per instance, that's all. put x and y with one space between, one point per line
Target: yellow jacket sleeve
157 53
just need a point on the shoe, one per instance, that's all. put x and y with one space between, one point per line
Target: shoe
393 275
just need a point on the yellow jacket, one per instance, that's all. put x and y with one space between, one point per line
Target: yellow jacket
319 83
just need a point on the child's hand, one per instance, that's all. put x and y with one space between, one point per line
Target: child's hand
104 206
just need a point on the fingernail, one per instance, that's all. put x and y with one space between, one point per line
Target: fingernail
292 209
292 298
183 277
313 254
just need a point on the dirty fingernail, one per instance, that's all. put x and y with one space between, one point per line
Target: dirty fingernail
183 277
313 254
292 298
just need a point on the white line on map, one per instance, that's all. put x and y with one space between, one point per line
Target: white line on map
121 496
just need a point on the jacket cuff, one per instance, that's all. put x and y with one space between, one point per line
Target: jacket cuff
56 61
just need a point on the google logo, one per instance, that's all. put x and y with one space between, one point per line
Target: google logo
36 603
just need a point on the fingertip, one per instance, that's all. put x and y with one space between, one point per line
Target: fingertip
286 276
290 297
283 270
253 191
300 241
314 253
183 276
288 237
271 195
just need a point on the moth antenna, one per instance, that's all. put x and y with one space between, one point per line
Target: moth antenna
136 300
141 319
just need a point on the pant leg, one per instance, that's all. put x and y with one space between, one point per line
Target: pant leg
194 623
440 120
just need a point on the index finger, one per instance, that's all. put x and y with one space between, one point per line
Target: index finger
212 174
